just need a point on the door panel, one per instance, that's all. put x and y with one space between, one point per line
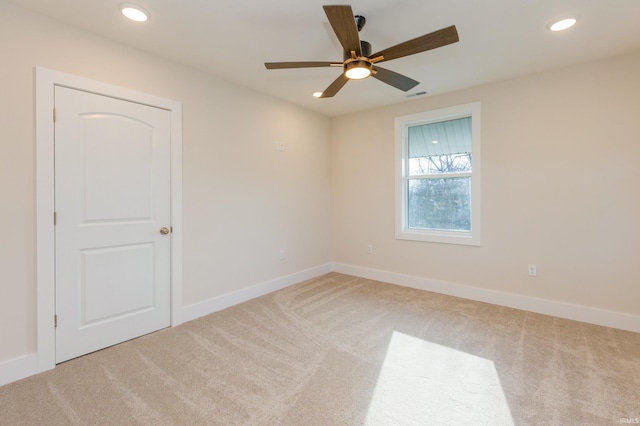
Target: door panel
112 161
117 186
108 290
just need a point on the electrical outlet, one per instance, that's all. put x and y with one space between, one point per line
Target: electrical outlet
369 249
283 255
533 271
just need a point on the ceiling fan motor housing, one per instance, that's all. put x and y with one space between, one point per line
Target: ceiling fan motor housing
365 48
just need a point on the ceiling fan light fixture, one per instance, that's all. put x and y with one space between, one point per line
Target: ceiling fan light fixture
317 94
357 69
563 23
134 12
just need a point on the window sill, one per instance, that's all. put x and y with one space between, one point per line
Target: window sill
444 237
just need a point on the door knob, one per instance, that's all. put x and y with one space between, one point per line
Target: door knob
164 230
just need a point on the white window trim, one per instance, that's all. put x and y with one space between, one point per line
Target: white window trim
403 232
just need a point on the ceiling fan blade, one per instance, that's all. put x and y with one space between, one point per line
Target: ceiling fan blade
334 87
283 65
394 79
426 42
344 25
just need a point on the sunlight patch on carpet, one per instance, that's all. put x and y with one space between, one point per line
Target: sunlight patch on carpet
425 383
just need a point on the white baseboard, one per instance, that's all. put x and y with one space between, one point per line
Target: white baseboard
219 303
18 368
526 303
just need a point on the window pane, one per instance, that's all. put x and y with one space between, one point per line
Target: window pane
442 204
440 147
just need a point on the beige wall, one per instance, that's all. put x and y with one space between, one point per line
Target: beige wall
243 202
560 189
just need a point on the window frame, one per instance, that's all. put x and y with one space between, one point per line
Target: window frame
402 124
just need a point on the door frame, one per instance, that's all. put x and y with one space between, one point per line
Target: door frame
45 82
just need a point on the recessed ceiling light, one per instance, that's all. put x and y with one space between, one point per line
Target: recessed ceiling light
317 94
134 12
563 23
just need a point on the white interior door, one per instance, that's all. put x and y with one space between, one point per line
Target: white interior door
112 198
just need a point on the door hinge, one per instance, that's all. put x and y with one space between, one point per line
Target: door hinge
55 218
55 321
54 115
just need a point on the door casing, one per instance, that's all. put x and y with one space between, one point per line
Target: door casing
45 81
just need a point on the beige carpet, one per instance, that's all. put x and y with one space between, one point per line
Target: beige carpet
340 350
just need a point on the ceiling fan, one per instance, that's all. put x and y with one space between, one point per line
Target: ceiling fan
358 62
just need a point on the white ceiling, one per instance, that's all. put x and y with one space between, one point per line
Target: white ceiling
499 39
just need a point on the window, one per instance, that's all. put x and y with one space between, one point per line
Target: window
438 175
